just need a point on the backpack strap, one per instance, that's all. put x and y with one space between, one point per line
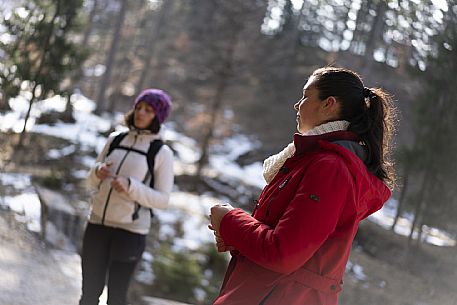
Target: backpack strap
116 142
152 152
154 148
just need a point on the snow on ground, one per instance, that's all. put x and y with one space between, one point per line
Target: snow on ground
86 133
385 218
33 274
356 270
188 208
26 204
194 209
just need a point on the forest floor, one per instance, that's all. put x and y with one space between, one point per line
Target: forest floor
31 273
392 275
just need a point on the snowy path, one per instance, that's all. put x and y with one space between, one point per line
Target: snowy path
30 273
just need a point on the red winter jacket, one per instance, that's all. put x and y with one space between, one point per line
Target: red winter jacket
295 246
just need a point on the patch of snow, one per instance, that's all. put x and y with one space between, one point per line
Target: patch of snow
17 181
356 271
191 210
251 174
11 121
27 205
145 273
85 131
80 174
236 146
58 239
70 264
59 153
87 160
385 218
186 148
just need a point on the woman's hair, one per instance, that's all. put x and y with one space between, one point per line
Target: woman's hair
129 121
370 112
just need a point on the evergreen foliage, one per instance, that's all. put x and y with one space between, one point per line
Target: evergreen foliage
431 159
188 276
41 51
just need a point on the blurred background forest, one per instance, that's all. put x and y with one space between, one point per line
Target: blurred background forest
237 67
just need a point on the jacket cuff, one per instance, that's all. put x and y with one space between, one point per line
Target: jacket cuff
133 185
92 177
227 221
97 168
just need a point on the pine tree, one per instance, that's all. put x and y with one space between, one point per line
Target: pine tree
219 57
102 104
41 52
435 148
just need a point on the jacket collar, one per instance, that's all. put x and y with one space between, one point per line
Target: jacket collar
145 134
140 131
305 143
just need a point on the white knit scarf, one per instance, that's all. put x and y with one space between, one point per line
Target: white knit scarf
272 164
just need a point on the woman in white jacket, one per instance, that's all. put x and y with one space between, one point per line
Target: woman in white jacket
122 199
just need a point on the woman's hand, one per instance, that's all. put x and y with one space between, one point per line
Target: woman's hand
220 244
218 211
103 171
120 184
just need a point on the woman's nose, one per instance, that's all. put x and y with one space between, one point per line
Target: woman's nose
296 105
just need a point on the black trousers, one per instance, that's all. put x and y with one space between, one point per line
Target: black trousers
109 255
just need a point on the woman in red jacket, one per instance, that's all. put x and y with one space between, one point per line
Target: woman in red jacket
294 247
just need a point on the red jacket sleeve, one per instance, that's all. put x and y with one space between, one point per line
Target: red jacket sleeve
310 217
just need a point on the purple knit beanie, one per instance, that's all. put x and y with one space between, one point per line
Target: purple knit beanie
157 99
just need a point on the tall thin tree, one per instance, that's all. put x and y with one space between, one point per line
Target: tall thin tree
104 84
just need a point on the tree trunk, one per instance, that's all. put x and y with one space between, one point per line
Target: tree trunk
4 105
224 75
420 228
67 116
151 45
84 43
401 199
217 105
376 30
291 46
27 116
101 99
358 32
421 205
37 74
90 22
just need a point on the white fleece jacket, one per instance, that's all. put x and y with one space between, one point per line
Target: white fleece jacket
115 209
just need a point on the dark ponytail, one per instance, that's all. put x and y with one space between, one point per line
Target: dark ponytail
370 112
376 130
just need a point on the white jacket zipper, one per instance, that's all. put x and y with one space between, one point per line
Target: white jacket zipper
117 172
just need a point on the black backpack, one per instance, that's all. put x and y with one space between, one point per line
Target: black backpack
154 147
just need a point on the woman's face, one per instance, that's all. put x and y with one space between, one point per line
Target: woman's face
310 109
143 115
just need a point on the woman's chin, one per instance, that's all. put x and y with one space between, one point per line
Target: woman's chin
139 125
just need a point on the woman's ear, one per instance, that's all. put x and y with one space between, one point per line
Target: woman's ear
330 102
331 107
